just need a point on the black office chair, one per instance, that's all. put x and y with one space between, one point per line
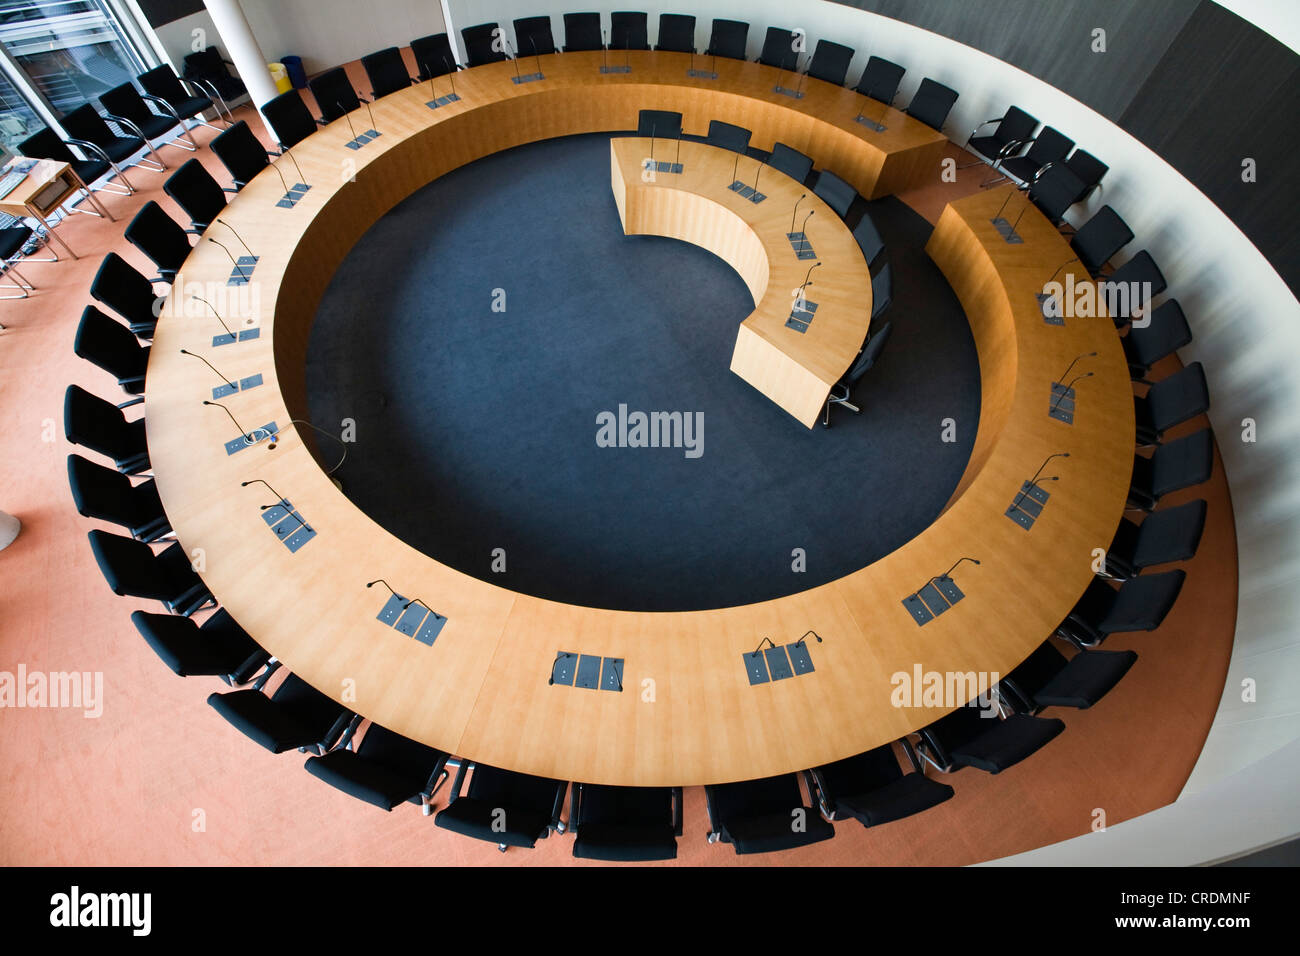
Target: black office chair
779 48
977 736
93 423
13 239
1169 402
880 80
1090 171
218 648
45 144
1165 333
872 788
872 245
502 807
434 56
334 94
127 292
484 43
242 153
105 342
290 119
1129 289
386 769
1014 129
88 130
162 84
625 824
664 124
835 192
133 570
533 36
830 62
199 195
728 39
124 106
761 816
1049 146
386 71
865 361
628 30
791 162
1100 238
1175 465
726 136
211 71
1170 534
581 32
296 716
107 495
882 291
1048 679
161 238
1139 604
1054 190
676 33
931 103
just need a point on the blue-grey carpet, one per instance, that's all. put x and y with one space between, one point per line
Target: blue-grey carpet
476 429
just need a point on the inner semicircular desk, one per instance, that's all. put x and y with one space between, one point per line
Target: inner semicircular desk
688 713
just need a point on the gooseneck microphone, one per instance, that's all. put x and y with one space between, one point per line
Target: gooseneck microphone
370 113
1034 480
604 51
282 183
216 313
761 164
1061 377
351 128
237 235
537 56
451 76
514 58
1066 389
735 170
342 443
436 615
233 261
301 178
563 655
998 215
1062 266
209 365
795 211
806 283
944 576
766 640
805 637
248 436
371 584
278 498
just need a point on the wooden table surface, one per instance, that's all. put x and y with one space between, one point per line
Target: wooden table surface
687 714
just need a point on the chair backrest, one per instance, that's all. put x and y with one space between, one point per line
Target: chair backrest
1100 238
387 71
109 344
779 48
178 642
624 823
296 716
880 79
45 144
870 355
1143 603
582 32
85 123
207 64
676 33
1167 332
1141 274
727 136
104 494
664 124
1055 191
533 36
1050 146
728 39
484 43
290 119
334 94
1087 167
836 193
159 237
433 55
1182 463
869 240
629 30
830 62
130 567
791 162
882 290
241 152
932 103
93 423
1016 126
195 191
119 286
125 100
1170 534
1181 396
754 815
162 82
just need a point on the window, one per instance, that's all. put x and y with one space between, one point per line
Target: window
17 119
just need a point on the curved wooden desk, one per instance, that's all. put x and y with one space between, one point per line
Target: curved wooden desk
688 714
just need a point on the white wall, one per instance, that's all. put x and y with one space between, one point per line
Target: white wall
326 33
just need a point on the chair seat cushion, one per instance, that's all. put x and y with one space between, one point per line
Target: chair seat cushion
1007 742
474 818
12 239
367 781
900 798
986 146
1020 167
623 843
155 126
764 834
1086 679
190 106
121 148
258 718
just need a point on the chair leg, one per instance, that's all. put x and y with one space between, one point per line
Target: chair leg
22 292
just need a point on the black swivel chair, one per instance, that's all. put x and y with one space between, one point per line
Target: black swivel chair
290 119
1048 679
296 716
12 241
779 48
105 342
760 816
791 162
124 106
242 153
830 62
199 195
218 648
727 136
977 736
873 789
872 245
211 71
1090 171
1175 465
1169 402
108 495
1049 146
1014 129
880 80
625 824
133 570
581 32
386 769
1165 333
88 130
1054 190
484 43
1129 289
334 94
882 291
162 83
45 144
1100 238
161 238
628 30
664 124
502 807
835 192
728 39
434 56
861 365
387 72
931 103
1170 534
1139 604
676 33
93 423
533 36
127 292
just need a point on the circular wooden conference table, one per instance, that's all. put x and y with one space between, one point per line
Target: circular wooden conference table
687 714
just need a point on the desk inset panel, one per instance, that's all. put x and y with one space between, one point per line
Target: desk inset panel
587 671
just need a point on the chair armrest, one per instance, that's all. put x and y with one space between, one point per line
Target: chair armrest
977 128
1015 144
163 105
334 737
93 147
557 808
265 676
194 87
345 742
460 779
933 752
908 749
677 811
817 793
230 189
574 790
134 401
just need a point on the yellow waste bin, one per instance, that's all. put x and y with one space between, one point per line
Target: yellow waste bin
280 76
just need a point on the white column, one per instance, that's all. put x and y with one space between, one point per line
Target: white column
243 49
